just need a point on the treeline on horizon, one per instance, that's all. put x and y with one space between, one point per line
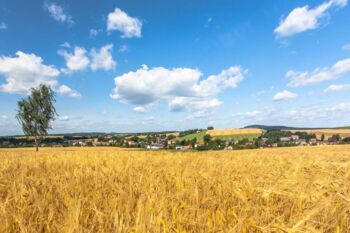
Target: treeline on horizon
184 133
269 138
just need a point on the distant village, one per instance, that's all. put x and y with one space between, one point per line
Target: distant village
180 140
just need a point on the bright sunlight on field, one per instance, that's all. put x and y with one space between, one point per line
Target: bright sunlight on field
119 190
227 132
326 132
235 134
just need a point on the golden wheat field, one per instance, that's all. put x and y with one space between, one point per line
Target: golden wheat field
119 190
326 132
226 132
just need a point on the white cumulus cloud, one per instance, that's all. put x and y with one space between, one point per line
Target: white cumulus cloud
121 21
143 109
215 83
319 74
65 90
336 88
76 60
304 18
102 59
182 88
284 95
80 59
26 71
58 13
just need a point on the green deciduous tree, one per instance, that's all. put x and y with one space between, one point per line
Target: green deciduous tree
207 139
36 112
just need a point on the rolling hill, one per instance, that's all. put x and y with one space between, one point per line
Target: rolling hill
225 134
281 127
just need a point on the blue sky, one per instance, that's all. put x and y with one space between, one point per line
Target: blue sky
129 66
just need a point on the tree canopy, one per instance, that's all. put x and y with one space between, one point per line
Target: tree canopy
36 112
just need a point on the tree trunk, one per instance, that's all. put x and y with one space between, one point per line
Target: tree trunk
36 144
